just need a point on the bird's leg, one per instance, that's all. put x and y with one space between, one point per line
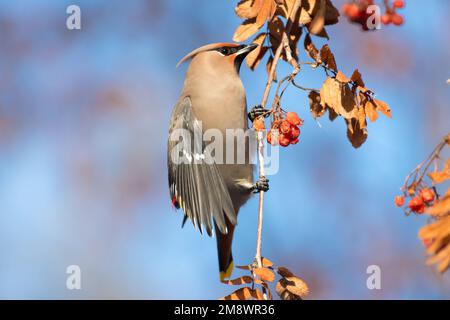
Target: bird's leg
261 185
256 112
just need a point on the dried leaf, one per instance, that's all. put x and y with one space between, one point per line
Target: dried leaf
440 207
437 235
327 58
318 22
245 30
265 274
255 57
357 78
371 111
382 107
441 176
291 288
267 263
248 9
342 77
265 13
245 293
315 107
284 272
339 97
355 133
311 49
238 281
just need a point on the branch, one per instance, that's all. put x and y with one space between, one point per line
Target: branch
284 45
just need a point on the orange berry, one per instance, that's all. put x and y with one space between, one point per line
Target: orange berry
284 140
416 205
427 195
399 201
397 19
294 119
398 4
353 11
285 127
258 124
386 19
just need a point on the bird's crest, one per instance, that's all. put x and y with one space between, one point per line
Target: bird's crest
207 47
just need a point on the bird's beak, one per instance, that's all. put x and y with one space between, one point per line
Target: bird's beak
246 49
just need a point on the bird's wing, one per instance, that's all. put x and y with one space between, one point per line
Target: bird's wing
196 184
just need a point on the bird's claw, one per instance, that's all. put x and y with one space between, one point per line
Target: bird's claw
261 185
256 112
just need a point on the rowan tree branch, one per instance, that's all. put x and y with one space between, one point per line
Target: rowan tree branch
284 46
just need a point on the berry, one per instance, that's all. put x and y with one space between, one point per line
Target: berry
294 141
294 133
416 205
399 201
294 119
258 124
399 4
386 19
284 140
353 11
285 127
427 195
397 19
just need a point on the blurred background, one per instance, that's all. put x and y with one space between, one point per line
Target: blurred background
83 126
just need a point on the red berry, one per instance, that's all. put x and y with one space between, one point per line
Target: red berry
284 140
294 119
427 195
294 141
386 19
353 11
416 205
397 19
258 124
399 201
285 127
294 133
399 4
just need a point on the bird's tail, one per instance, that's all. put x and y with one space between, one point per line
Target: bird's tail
224 243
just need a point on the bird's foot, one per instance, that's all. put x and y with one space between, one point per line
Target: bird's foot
261 185
257 111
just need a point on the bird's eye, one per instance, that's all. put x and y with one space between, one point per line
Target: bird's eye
225 51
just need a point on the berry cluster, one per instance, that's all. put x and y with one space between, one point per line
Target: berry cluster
356 12
284 131
418 203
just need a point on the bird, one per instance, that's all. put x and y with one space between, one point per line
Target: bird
211 193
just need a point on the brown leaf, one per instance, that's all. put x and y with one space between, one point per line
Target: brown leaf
441 176
248 9
371 111
383 108
257 294
315 107
339 97
332 114
355 133
361 117
245 30
318 22
245 293
327 58
255 57
311 49
437 235
238 281
331 13
342 77
440 207
284 272
265 274
357 78
291 288
265 13
267 263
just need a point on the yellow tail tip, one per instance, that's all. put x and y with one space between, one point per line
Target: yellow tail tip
227 273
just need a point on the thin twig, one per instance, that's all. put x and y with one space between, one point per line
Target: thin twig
264 100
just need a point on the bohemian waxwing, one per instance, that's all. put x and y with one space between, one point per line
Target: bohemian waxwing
213 97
